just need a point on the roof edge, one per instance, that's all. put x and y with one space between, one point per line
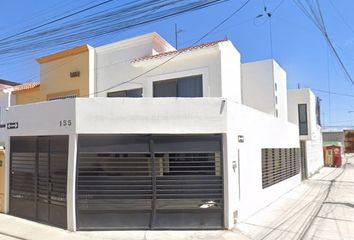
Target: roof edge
63 54
178 51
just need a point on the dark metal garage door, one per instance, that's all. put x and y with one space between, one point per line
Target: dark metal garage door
38 178
150 182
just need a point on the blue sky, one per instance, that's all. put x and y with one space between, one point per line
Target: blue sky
297 45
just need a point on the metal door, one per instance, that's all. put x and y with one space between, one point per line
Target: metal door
149 182
38 178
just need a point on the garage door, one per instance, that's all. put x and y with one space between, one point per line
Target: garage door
150 182
38 178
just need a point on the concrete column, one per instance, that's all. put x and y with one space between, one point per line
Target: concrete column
231 186
71 183
92 72
227 217
7 176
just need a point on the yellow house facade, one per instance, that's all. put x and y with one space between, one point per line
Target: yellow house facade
65 74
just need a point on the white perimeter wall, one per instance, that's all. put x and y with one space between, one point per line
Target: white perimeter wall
150 115
314 153
259 130
280 79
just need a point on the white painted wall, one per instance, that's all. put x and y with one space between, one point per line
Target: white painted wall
260 130
230 72
42 118
281 91
258 87
113 62
6 100
219 65
314 153
150 115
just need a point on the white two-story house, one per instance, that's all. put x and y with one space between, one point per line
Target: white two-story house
159 139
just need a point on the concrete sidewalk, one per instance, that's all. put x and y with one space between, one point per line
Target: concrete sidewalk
320 208
12 228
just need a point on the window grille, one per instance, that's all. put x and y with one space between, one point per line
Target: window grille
279 164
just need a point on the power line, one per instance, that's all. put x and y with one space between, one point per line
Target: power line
341 16
314 13
278 6
329 89
334 93
56 20
132 14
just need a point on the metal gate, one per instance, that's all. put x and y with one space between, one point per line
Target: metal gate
38 178
150 182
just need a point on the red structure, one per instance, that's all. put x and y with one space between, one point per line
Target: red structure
332 156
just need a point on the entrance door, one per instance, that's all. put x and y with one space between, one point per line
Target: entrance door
150 182
38 178
303 160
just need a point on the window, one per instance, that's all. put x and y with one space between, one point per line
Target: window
302 111
279 164
318 111
276 113
132 93
275 87
191 86
61 97
276 99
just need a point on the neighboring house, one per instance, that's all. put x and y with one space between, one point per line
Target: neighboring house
159 140
5 101
304 110
333 136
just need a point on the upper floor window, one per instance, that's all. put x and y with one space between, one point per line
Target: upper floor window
191 86
132 93
318 111
302 111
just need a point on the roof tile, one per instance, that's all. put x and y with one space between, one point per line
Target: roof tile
179 51
26 86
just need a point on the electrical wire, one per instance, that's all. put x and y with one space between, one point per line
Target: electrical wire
314 13
93 26
56 20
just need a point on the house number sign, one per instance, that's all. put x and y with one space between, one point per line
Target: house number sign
65 123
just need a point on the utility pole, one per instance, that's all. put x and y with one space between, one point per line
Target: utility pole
176 35
177 32
267 14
